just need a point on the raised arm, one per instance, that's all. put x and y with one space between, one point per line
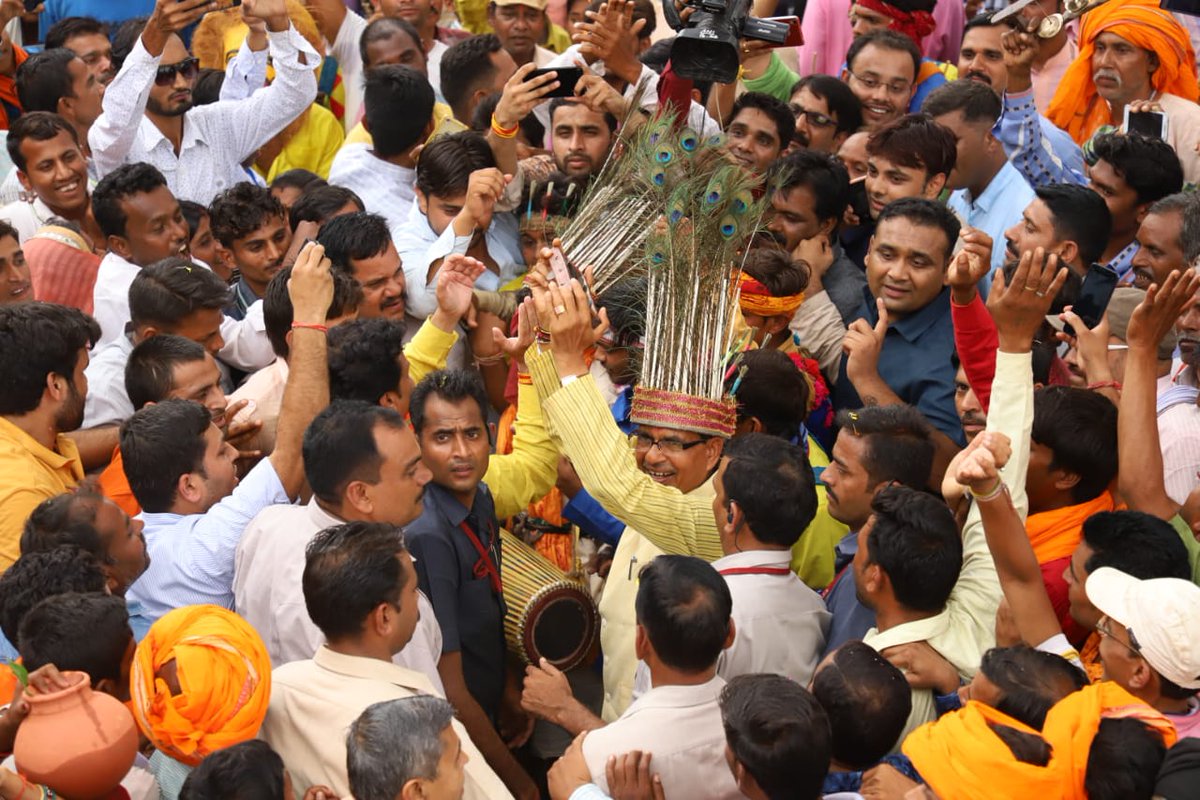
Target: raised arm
307 389
430 347
114 132
519 98
975 338
246 72
1140 461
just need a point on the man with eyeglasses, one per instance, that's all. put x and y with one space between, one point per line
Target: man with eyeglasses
881 69
827 112
909 20
148 114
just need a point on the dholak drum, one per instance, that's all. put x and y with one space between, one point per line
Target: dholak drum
549 616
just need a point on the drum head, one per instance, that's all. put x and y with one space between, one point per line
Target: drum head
562 627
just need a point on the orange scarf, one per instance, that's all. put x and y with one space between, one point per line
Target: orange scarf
1073 722
224 677
1078 108
960 757
8 87
756 298
1056 534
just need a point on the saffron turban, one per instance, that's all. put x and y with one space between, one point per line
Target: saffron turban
755 298
1078 108
224 677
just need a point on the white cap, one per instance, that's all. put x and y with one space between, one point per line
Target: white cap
1162 615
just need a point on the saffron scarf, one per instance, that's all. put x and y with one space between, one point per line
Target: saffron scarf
8 88
1078 108
1056 534
224 676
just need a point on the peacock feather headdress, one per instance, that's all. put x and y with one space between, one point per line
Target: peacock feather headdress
674 209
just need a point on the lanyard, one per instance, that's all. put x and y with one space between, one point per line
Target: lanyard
755 571
486 565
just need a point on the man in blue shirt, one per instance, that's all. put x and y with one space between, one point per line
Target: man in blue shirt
899 348
989 192
113 14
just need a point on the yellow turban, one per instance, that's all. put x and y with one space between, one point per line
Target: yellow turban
1077 108
224 676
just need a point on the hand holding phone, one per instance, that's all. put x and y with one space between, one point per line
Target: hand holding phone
1094 294
1153 124
567 78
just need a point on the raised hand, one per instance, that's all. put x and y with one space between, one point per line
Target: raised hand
515 346
273 12
456 287
980 466
598 95
484 189
521 96
863 344
1156 315
310 286
970 265
1019 307
171 16
1020 50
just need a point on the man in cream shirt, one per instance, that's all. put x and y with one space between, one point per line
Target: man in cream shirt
361 591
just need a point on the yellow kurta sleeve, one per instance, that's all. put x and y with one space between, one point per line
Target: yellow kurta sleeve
428 350
583 423
812 555
531 469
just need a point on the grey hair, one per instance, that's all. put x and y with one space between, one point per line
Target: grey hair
1187 205
394 742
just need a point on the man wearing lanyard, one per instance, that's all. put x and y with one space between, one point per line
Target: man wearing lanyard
456 549
764 492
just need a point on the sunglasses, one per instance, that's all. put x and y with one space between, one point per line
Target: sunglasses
188 68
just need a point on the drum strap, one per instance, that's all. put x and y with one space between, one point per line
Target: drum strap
755 571
486 565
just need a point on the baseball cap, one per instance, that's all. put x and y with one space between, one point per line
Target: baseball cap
540 5
1163 618
1120 308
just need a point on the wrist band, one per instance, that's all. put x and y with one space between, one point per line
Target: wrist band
502 132
312 326
990 495
1104 385
524 379
487 361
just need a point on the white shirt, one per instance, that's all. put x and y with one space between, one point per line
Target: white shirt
681 726
217 138
107 401
27 218
385 188
268 593
419 247
433 67
345 51
313 704
780 623
191 556
110 298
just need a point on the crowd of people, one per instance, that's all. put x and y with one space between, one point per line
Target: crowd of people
857 396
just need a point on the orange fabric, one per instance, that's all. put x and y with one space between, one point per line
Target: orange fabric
1089 654
8 86
961 758
1073 722
1078 108
115 486
756 298
1056 534
224 676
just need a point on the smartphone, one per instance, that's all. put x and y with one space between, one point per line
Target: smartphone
447 126
1094 294
858 200
1147 123
794 37
567 78
559 270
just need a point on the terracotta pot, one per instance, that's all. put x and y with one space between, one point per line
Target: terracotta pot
78 742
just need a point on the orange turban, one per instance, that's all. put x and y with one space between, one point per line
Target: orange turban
756 298
224 676
961 758
1077 108
1073 722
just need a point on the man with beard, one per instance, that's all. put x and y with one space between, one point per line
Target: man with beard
147 103
252 233
827 112
967 404
43 355
1068 221
579 137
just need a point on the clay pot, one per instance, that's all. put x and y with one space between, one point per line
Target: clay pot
78 742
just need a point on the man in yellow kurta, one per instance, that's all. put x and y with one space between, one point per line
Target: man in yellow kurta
43 353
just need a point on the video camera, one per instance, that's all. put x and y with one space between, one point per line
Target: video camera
706 48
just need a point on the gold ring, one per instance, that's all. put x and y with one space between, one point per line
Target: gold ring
560 309
1030 288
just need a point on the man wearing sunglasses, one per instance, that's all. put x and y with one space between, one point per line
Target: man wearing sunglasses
148 114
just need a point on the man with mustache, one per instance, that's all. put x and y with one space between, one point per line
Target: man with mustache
967 404
253 235
827 113
148 108
881 69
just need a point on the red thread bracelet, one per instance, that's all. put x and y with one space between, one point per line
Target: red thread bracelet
313 326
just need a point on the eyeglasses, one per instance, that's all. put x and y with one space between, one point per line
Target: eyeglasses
644 441
815 118
188 68
1104 628
871 83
